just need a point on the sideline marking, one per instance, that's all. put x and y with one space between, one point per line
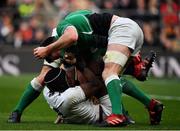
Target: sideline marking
172 98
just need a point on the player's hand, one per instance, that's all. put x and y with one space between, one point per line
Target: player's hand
41 52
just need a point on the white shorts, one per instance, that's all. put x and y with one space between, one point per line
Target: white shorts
126 32
74 107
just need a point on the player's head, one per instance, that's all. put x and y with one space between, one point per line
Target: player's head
55 80
54 55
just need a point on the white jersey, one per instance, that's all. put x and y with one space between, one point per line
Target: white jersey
74 107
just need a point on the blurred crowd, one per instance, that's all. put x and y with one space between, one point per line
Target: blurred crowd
28 22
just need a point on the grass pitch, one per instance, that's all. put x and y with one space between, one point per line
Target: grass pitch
39 116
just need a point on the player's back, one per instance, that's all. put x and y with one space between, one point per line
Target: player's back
98 22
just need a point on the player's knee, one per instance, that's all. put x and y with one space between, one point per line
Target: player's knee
41 76
116 58
104 74
110 69
40 79
114 63
36 84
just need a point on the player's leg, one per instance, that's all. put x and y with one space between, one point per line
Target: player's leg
138 67
106 108
100 92
31 92
124 41
132 90
154 107
97 66
115 59
34 88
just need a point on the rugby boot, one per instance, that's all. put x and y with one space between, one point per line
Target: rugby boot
129 120
114 120
155 112
142 68
15 117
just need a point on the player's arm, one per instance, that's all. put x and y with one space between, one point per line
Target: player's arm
69 37
92 86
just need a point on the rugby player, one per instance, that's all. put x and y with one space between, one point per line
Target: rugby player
36 85
125 39
73 102
138 68
73 106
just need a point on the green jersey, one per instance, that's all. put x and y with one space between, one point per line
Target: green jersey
90 27
79 20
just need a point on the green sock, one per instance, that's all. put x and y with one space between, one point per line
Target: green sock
115 91
132 90
29 95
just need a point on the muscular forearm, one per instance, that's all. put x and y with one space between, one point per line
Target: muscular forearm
69 37
63 42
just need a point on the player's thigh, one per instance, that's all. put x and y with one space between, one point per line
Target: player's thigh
127 32
119 48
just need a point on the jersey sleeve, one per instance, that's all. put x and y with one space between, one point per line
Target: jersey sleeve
62 27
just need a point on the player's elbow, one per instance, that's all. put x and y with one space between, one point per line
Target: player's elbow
73 37
72 34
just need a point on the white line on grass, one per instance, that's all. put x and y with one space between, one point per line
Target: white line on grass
172 98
